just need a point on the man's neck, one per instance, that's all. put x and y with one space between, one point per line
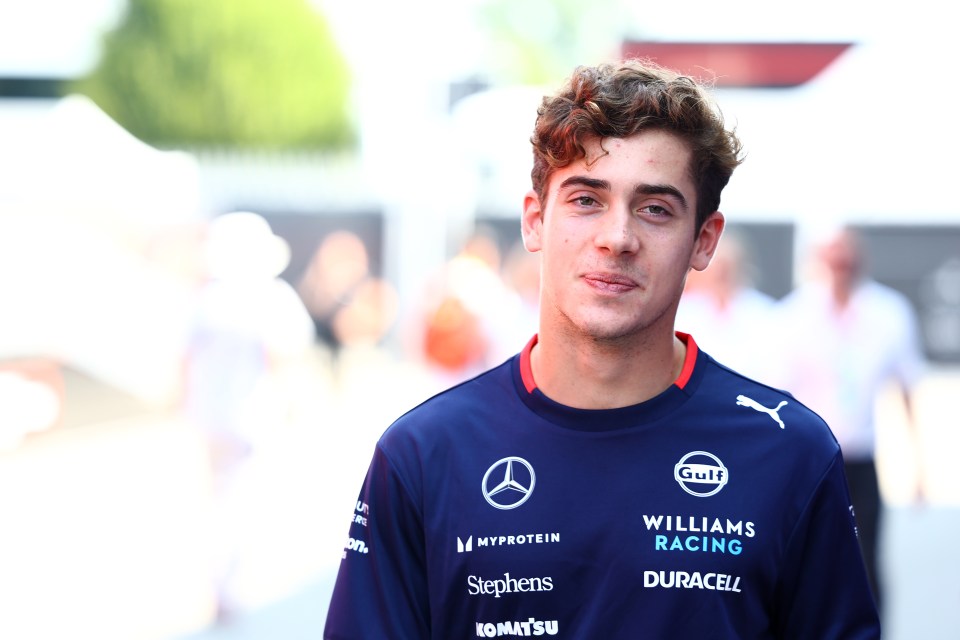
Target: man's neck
588 374
841 291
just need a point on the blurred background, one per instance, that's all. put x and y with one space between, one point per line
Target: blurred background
239 237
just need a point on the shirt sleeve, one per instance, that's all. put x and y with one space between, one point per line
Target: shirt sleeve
823 591
381 587
909 359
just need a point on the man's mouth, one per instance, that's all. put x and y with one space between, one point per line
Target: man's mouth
612 282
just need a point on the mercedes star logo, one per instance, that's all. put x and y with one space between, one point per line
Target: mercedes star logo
515 487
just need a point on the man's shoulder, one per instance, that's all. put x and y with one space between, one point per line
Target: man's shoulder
742 400
877 293
444 412
808 296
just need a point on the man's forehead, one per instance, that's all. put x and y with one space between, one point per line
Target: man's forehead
653 151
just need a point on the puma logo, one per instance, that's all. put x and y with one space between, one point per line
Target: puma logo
744 401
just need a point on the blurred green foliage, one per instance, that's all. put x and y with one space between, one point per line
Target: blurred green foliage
224 73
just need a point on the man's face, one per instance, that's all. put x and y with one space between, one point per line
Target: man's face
617 237
841 256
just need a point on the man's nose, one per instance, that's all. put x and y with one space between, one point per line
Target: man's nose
618 232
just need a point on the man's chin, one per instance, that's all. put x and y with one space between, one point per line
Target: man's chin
611 333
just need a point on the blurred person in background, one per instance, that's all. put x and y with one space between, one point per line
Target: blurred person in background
611 480
846 337
250 336
730 318
462 312
348 304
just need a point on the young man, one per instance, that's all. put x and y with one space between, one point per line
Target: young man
612 480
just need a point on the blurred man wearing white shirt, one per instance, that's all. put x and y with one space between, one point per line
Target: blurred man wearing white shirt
726 314
846 337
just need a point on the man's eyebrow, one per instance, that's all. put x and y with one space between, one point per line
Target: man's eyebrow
661 190
641 189
583 181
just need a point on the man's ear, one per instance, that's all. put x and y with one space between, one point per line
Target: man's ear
707 240
531 223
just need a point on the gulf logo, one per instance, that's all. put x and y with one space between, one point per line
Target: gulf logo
701 474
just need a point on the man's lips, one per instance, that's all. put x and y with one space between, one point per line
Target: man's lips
612 282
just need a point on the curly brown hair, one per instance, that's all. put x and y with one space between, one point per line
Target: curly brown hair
618 100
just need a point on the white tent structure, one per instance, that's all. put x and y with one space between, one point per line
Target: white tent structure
69 154
80 202
870 139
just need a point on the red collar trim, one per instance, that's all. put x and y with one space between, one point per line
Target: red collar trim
689 361
526 369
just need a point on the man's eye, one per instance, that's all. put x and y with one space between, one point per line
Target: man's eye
656 210
585 201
